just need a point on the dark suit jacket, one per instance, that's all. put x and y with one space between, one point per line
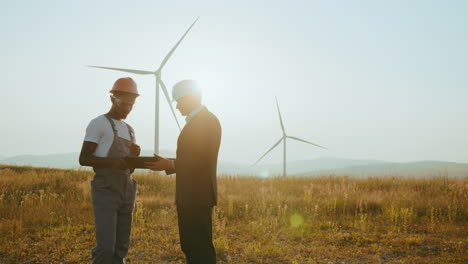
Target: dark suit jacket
196 161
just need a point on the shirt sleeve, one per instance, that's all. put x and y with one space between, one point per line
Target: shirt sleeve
94 131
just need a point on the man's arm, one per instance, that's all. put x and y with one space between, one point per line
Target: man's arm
87 158
163 164
203 145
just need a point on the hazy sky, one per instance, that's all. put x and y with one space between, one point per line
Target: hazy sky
370 79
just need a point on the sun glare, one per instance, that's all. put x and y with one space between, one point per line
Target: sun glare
296 220
264 174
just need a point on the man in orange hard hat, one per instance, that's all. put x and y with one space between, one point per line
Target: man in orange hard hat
107 142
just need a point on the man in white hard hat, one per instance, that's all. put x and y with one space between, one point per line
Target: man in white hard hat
107 142
195 168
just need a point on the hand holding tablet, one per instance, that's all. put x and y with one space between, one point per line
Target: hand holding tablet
139 162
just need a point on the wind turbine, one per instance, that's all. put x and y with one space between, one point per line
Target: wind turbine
283 138
159 83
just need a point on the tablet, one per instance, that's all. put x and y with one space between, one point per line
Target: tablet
139 162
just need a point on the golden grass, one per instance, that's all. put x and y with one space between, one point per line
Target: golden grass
46 217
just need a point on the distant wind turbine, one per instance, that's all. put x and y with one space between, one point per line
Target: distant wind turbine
283 138
159 83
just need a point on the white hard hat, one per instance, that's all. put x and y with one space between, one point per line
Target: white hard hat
184 88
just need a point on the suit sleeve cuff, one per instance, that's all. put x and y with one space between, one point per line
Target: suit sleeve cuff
172 169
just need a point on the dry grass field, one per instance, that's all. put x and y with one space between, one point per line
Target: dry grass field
46 217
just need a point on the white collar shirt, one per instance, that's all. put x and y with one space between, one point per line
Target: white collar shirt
193 113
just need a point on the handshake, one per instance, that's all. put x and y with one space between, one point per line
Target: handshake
155 163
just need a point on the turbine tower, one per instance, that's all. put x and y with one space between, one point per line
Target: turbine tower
283 138
159 84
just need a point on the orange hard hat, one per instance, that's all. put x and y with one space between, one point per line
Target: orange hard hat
127 85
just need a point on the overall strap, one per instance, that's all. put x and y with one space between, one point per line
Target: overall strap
131 133
113 125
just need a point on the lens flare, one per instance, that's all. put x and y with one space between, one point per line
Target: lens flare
296 220
264 174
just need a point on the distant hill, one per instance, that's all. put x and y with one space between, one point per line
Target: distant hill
321 166
408 169
63 160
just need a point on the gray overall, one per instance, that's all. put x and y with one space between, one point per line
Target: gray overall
113 196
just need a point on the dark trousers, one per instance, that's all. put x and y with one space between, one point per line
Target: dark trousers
195 232
113 221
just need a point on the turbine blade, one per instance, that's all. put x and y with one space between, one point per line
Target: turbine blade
163 86
276 144
123 70
176 45
305 141
279 113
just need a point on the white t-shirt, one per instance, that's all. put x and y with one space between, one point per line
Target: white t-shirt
100 131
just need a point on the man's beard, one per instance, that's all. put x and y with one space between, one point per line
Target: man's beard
124 115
